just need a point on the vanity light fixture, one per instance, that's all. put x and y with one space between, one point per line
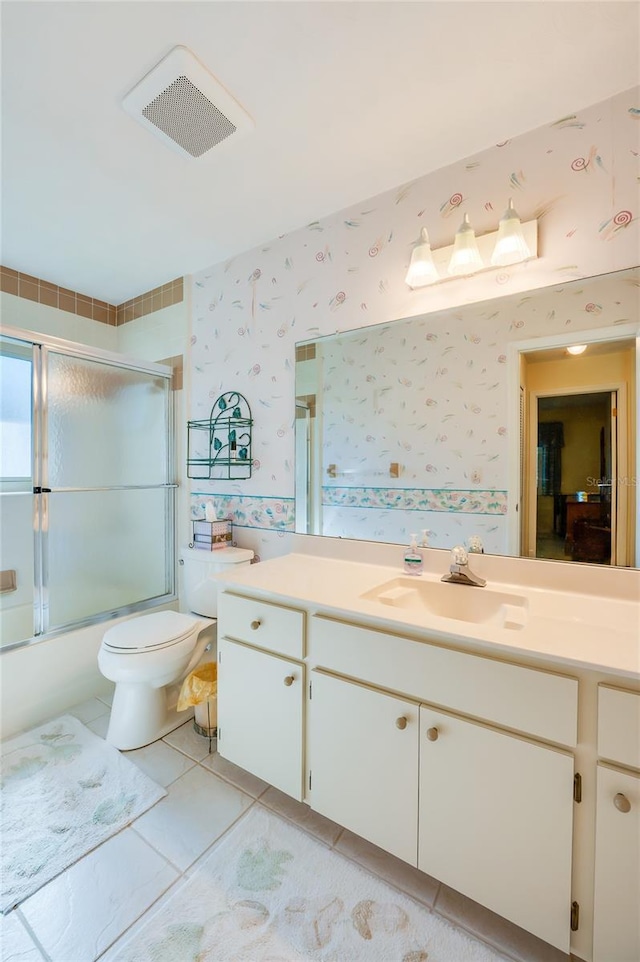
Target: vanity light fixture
511 247
512 243
577 349
422 270
466 258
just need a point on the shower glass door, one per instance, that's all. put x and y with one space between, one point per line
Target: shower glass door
86 487
106 486
16 491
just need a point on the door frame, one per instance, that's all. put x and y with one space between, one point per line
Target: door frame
620 332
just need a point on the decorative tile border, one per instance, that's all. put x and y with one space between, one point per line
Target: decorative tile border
35 289
417 499
150 301
305 352
273 514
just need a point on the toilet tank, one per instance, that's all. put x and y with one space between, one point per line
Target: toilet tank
200 587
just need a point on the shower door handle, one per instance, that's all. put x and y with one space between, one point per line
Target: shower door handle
39 490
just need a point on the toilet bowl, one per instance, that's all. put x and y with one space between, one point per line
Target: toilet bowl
146 655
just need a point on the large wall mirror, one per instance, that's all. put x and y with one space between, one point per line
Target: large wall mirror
480 422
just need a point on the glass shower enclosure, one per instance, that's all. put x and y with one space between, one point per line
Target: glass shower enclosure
86 486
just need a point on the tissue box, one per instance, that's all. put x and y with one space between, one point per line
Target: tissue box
209 535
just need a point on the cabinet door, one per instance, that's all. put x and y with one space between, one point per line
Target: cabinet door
496 814
616 932
363 752
260 700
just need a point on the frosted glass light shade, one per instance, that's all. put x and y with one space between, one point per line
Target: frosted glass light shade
422 270
577 349
466 256
511 247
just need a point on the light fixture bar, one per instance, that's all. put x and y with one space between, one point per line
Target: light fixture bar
486 245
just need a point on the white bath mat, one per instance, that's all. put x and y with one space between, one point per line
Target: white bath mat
270 893
63 791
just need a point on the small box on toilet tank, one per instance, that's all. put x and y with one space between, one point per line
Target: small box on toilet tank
210 535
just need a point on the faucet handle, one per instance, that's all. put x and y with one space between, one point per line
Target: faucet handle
459 555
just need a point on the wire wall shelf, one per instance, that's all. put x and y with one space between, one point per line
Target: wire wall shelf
219 447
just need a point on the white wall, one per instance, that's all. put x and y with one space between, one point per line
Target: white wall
31 316
155 336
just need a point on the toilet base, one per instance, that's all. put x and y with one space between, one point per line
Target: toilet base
140 716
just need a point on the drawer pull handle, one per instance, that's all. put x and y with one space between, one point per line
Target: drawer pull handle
401 723
622 803
289 680
255 625
432 734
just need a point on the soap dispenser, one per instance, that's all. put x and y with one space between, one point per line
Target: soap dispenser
475 544
413 563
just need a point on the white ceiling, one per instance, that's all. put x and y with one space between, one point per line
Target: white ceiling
349 99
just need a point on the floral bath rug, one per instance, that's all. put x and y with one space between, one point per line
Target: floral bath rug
267 892
63 791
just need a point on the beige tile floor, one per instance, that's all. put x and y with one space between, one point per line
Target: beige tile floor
78 915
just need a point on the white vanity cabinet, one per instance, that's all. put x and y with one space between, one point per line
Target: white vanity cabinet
616 935
458 754
491 809
261 690
363 750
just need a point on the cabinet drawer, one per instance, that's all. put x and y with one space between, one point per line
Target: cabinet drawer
261 624
619 725
538 703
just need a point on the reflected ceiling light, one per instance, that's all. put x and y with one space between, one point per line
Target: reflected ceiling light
466 256
511 246
512 243
422 270
577 349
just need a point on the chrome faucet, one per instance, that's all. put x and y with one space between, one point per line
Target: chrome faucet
459 573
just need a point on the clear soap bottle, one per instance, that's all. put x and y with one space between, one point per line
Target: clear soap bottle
413 561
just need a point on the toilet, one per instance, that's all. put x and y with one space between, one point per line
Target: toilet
146 655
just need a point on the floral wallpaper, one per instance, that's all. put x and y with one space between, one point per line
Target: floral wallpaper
578 176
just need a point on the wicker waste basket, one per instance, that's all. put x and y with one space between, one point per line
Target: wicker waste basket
200 689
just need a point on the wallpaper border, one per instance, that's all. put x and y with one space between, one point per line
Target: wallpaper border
455 501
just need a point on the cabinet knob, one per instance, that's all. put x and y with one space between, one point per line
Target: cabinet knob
432 734
255 624
289 680
622 803
401 723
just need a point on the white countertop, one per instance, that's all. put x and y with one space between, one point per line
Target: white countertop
570 628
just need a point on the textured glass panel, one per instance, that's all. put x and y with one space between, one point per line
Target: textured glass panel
15 417
16 554
107 425
105 549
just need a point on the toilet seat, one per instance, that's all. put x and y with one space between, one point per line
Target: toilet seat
153 632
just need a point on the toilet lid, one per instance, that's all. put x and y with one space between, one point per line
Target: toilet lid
149 632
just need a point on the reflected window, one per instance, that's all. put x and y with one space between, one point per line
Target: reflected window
550 445
15 418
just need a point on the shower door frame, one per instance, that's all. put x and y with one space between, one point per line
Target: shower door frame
41 345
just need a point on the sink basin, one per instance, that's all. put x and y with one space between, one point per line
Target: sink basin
459 602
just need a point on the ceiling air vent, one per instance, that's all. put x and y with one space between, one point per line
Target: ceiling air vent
185 106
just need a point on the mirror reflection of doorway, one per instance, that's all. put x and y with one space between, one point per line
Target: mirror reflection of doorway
578 437
576 454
